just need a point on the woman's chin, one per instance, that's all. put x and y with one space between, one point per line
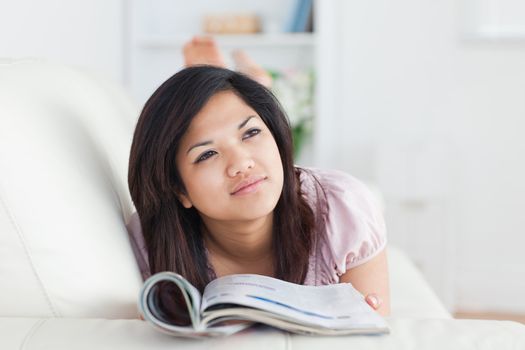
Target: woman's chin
252 211
249 214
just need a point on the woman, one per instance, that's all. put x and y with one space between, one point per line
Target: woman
212 177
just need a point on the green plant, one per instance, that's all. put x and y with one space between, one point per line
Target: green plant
295 90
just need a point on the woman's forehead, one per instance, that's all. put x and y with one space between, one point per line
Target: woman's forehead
224 110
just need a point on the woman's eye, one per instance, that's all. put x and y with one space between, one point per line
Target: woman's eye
205 156
251 133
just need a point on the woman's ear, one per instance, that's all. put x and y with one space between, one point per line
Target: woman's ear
185 201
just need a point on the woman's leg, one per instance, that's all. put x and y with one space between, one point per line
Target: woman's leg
245 64
204 50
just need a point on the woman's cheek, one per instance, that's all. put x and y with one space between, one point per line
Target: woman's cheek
209 180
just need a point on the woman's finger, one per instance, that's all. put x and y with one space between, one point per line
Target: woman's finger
373 300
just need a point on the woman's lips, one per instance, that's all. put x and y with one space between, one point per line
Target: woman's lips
249 186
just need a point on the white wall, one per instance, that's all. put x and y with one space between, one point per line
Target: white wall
85 33
438 121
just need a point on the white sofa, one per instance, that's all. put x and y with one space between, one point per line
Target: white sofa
68 278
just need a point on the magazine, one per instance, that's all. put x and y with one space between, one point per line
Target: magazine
232 303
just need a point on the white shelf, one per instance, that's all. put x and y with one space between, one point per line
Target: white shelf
293 40
496 35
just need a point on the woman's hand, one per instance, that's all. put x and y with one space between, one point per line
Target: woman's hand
371 280
374 301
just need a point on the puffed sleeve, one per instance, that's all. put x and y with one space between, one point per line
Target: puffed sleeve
355 227
138 245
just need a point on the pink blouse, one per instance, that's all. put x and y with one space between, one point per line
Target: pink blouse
350 226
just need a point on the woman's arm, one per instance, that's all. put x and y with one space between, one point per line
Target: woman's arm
371 279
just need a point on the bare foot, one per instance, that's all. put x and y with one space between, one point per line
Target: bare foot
202 50
245 64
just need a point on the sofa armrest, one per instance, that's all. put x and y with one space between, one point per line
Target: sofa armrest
410 293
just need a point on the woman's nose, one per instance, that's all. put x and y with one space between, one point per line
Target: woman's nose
240 162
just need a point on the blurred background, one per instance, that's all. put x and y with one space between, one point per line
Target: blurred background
423 99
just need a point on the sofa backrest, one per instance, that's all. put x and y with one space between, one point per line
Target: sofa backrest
64 146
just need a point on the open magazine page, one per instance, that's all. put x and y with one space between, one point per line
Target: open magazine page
148 307
290 324
337 306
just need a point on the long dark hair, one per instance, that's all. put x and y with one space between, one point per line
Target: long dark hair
171 232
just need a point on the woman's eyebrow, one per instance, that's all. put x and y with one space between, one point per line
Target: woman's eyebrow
205 143
245 122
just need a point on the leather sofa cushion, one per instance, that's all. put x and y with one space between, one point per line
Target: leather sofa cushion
64 145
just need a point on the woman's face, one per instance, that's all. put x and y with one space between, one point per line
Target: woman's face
229 162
